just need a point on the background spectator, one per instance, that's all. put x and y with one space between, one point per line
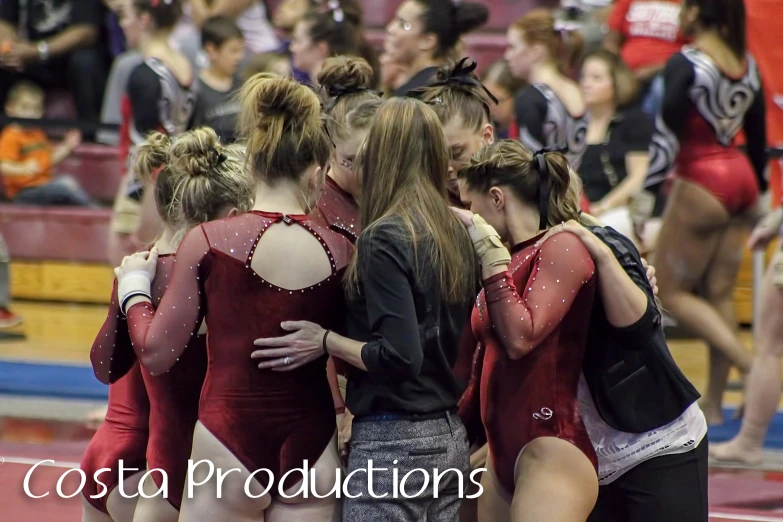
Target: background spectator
500 82
55 43
614 164
646 33
27 157
215 103
251 16
271 62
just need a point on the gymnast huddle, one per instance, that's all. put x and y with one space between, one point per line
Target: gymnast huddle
375 308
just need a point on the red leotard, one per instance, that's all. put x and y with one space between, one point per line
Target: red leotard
536 395
338 210
173 397
267 419
123 434
703 111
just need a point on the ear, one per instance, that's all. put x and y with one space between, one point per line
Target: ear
539 52
488 134
428 42
210 48
498 198
145 21
322 48
233 212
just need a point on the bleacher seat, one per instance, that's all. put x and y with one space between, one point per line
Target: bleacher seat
97 168
57 233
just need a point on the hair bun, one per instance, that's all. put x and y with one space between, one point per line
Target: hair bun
469 16
276 96
151 155
345 72
196 153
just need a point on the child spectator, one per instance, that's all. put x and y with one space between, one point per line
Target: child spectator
27 157
272 62
215 104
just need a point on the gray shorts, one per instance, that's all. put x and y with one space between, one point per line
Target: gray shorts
397 448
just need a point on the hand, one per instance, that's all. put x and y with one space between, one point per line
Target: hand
303 345
465 216
766 230
651 276
22 53
597 248
32 167
146 262
72 139
344 425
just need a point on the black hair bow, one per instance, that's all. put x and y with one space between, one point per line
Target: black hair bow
461 75
542 167
336 90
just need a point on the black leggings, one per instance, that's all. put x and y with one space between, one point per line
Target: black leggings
667 488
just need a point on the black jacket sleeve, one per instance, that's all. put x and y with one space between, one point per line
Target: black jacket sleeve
387 277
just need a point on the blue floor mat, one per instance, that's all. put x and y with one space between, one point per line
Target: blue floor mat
49 380
730 428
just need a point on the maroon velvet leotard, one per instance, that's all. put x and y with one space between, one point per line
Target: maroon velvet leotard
123 434
536 395
338 210
267 419
173 396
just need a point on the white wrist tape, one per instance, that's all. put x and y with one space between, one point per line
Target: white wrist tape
133 284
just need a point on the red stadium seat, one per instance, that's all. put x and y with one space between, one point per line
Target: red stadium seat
55 233
97 168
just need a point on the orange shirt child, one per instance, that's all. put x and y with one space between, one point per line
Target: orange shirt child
27 146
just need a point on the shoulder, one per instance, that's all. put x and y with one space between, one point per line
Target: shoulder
339 246
11 130
387 237
141 76
565 246
530 94
618 243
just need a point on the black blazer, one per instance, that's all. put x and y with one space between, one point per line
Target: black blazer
633 379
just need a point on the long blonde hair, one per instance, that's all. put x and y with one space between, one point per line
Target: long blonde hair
404 166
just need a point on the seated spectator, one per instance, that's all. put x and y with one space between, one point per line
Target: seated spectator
216 106
500 82
27 157
55 44
614 164
8 319
645 33
271 62
250 16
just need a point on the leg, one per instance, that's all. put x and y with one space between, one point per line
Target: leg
7 319
671 487
234 503
316 509
494 505
763 385
609 506
555 482
87 74
719 283
61 191
120 508
91 514
693 225
403 454
156 508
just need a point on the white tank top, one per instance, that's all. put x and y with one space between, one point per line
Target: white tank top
258 32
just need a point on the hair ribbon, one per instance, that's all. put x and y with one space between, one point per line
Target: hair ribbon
461 75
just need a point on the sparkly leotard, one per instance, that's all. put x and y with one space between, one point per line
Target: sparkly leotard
536 395
173 396
338 210
703 111
124 433
266 419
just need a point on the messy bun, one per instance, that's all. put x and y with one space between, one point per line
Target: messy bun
210 177
151 156
449 20
345 85
345 71
508 163
280 120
